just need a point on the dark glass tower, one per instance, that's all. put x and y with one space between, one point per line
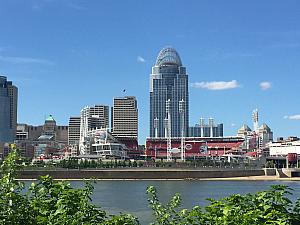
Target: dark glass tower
168 81
8 110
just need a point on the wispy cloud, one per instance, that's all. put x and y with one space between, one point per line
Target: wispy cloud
293 117
25 60
216 85
140 59
290 45
76 6
233 125
265 85
221 54
40 5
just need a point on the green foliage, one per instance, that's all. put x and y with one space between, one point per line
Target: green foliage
13 205
164 214
262 208
49 202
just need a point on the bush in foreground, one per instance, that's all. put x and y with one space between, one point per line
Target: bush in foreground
56 202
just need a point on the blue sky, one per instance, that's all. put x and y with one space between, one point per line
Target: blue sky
240 55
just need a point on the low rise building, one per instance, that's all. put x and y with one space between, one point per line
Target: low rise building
284 147
41 140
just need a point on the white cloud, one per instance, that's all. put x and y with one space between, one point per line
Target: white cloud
217 85
293 117
265 85
233 125
24 60
140 59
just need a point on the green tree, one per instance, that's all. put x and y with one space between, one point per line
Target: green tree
262 208
13 205
49 202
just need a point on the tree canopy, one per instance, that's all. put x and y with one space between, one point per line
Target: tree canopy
56 202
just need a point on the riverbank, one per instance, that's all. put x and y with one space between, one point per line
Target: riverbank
255 178
142 174
249 178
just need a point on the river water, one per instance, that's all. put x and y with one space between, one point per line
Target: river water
130 196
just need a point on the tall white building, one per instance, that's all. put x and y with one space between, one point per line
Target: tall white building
91 118
125 117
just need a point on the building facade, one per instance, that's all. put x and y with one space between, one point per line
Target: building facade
33 140
125 117
255 139
285 147
169 87
74 131
94 117
8 110
206 130
265 135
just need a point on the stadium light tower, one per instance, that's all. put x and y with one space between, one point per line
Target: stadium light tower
181 112
156 127
255 120
168 130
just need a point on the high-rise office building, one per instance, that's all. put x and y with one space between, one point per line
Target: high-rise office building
13 96
74 131
8 110
169 87
125 117
92 118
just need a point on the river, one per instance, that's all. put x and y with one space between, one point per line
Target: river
130 196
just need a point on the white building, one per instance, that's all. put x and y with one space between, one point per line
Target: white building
259 137
91 118
285 147
105 145
265 135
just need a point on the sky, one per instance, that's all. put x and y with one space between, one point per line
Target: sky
240 55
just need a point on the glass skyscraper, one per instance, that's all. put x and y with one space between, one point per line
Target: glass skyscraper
169 83
8 110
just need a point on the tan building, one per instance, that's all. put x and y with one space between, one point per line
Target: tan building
74 131
125 117
29 137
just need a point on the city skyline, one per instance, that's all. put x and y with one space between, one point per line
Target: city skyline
238 58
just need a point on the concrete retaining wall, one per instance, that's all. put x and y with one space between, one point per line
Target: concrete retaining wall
270 171
141 174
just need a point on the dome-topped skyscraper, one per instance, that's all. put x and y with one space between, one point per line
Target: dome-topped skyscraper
169 83
168 56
